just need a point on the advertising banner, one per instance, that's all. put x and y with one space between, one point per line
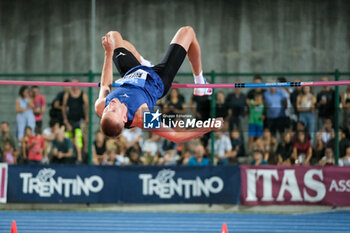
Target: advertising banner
271 185
110 184
3 182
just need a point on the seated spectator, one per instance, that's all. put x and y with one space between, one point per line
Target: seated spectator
237 143
6 136
35 147
187 149
257 145
49 135
269 144
326 131
302 150
258 158
328 158
175 103
110 158
24 143
8 156
170 158
150 149
99 149
285 150
62 150
221 108
223 148
322 139
198 159
167 145
345 161
343 142
132 136
306 106
134 156
256 118
121 157
300 126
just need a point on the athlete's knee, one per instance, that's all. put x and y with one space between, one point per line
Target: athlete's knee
187 29
115 35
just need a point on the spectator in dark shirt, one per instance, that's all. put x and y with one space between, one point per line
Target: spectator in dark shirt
345 102
325 104
343 142
236 103
294 96
75 110
221 109
62 150
285 150
57 104
252 92
237 143
175 104
200 106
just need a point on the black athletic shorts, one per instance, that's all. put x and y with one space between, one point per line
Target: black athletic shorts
124 60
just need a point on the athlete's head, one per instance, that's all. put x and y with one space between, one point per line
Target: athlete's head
114 118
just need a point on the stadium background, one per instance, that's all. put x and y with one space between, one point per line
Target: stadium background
236 36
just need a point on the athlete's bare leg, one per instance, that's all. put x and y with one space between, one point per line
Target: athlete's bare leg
186 37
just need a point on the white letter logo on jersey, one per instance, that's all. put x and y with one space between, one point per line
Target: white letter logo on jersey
136 78
165 186
45 185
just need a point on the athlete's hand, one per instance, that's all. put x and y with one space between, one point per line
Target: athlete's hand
108 43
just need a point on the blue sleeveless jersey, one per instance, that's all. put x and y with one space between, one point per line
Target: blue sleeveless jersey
133 94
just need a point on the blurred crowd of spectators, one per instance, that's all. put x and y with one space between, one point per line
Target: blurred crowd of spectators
283 126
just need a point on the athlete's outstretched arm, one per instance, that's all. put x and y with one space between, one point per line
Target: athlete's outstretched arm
106 76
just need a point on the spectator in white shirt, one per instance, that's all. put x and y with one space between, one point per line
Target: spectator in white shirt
223 148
